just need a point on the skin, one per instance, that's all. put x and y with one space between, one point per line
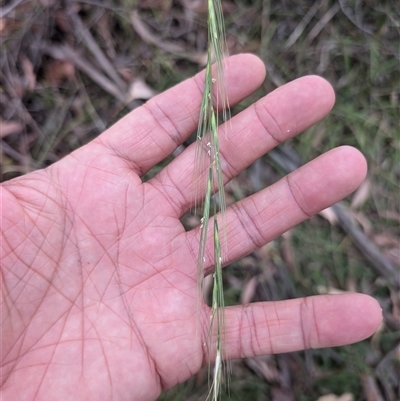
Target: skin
99 275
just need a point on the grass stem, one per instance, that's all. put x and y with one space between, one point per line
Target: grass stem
208 159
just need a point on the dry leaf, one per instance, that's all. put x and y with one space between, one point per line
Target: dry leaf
140 90
10 127
329 214
361 195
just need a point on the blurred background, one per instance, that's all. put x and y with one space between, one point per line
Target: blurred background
70 69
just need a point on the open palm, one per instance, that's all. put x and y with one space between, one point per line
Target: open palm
99 275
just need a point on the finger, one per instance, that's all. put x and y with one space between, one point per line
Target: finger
152 132
297 324
258 219
277 117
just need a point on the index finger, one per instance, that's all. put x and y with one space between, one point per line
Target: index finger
152 132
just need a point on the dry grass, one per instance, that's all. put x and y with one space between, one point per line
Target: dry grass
68 74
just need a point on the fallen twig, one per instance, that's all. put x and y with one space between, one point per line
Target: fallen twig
64 52
95 49
171 47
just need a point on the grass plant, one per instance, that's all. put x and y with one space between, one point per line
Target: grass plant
207 159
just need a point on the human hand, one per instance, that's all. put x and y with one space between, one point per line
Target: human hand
99 275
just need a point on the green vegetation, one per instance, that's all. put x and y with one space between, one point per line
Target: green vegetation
207 146
58 93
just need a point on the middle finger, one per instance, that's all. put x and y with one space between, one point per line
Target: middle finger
282 114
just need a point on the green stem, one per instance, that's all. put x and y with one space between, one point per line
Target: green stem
208 159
